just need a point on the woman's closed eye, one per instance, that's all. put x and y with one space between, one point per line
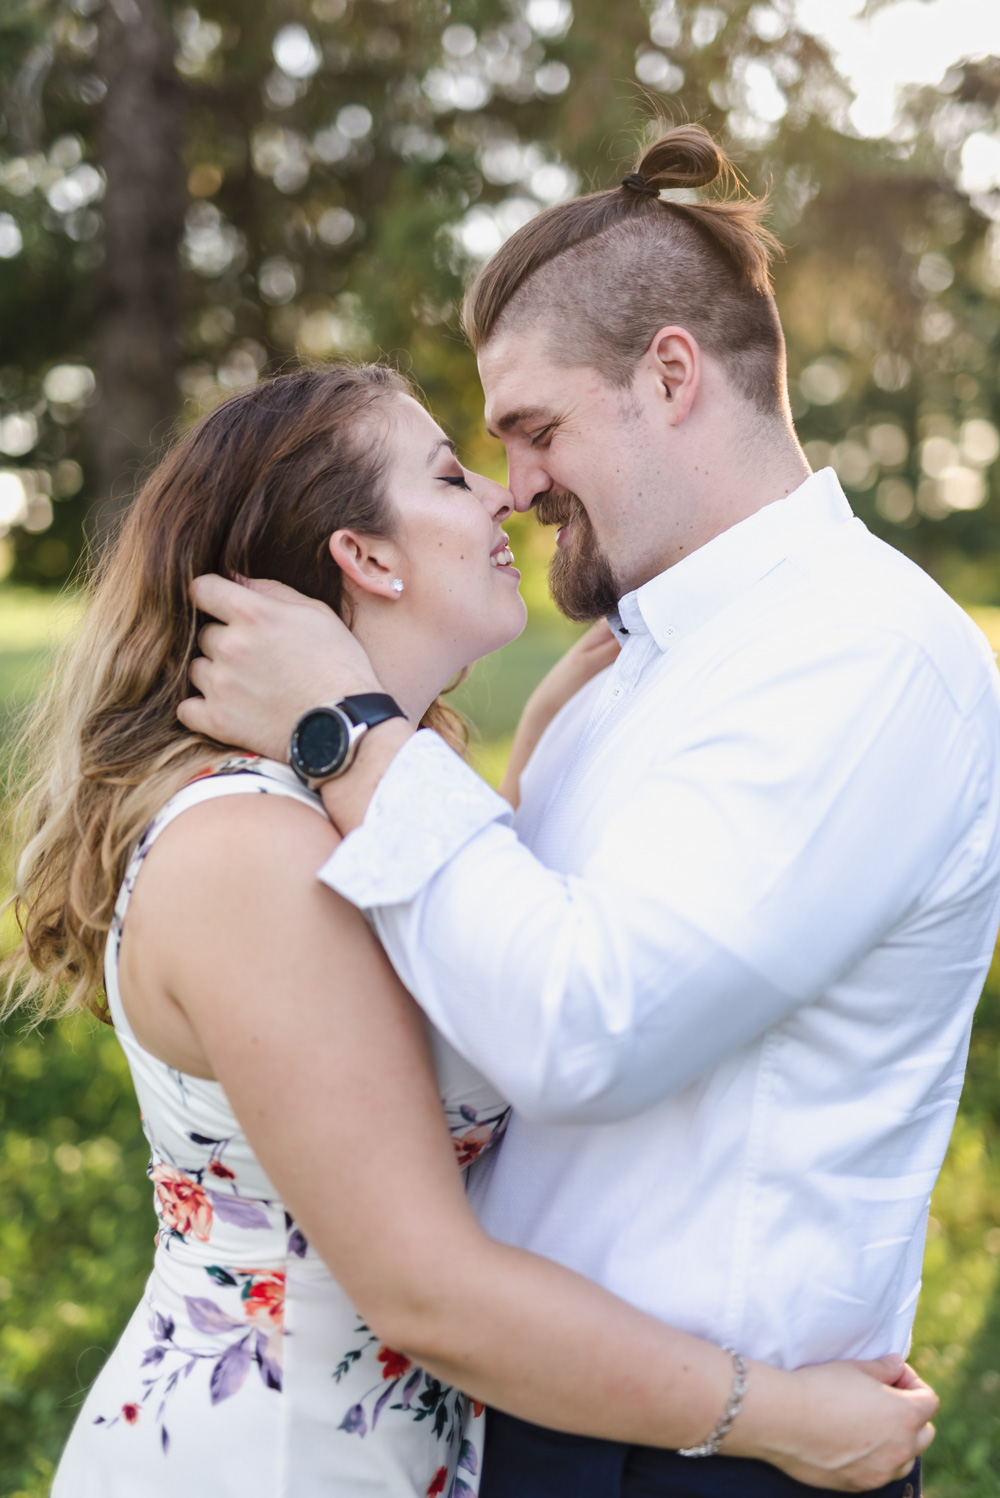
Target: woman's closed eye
458 480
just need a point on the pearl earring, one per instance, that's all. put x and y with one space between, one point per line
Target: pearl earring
396 585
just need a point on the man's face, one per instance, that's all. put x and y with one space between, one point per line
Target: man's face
584 454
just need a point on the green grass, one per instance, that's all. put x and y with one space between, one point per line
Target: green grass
76 1222
32 624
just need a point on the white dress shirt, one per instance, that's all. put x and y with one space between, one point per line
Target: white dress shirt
726 966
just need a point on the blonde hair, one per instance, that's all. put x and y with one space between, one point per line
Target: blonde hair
255 488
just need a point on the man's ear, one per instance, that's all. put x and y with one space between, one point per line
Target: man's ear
368 563
673 359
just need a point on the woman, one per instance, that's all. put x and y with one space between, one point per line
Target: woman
320 1291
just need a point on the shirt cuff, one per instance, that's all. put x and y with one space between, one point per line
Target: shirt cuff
427 806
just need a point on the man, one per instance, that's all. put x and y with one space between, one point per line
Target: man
726 968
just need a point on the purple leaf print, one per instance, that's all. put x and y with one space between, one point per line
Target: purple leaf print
206 1317
469 1114
230 1371
270 1371
204 1139
163 1327
382 1402
461 1487
354 1421
410 1388
467 1457
240 1213
153 1355
297 1244
164 1439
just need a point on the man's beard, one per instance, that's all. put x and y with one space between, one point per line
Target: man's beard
581 578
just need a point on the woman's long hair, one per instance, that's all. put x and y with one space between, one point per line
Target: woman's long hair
256 488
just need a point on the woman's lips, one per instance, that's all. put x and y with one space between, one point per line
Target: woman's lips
501 555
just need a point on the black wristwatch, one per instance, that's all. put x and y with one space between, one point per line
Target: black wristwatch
325 739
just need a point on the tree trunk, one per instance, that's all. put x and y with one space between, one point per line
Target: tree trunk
140 299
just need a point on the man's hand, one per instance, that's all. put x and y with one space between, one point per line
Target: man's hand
273 655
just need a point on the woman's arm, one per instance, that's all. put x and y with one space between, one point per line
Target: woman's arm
593 652
325 1061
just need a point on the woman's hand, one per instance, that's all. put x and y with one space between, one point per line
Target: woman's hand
594 651
851 1426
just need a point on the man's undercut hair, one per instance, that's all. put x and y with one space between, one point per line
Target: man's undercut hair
603 272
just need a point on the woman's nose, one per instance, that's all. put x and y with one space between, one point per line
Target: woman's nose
499 501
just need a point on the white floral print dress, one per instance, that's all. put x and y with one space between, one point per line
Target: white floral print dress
245 1372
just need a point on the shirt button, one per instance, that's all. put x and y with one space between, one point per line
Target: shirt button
616 692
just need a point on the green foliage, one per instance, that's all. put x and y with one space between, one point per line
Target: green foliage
957 1335
314 233
76 1230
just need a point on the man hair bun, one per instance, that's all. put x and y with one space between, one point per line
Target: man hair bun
684 156
720 235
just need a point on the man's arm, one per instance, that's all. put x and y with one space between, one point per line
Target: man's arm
748 870
745 872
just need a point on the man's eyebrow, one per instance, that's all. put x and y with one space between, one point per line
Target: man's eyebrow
515 418
444 442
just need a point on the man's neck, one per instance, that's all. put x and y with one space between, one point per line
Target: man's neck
723 500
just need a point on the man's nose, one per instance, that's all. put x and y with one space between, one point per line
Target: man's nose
527 480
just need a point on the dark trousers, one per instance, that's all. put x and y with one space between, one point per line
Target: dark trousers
528 1461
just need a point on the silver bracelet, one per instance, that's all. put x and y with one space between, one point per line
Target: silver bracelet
733 1407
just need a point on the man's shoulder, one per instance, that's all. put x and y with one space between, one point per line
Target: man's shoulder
859 590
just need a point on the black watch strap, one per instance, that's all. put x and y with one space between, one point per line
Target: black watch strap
370 708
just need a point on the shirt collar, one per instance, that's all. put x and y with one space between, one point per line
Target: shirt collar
685 596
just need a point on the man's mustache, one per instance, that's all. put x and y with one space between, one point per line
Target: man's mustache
558 508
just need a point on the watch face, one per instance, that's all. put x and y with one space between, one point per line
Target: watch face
321 743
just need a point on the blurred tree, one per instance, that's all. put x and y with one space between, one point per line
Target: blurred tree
139 300
345 162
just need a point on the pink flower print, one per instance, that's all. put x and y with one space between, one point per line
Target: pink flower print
183 1205
470 1145
264 1300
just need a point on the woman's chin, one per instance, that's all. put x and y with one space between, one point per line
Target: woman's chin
507 631
518 623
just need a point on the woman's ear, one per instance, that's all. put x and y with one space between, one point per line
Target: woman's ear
371 565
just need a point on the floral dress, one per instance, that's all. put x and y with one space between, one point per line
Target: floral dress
245 1372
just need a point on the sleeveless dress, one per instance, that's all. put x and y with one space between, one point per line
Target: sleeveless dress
245 1372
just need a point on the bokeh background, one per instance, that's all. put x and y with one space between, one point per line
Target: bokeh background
194 197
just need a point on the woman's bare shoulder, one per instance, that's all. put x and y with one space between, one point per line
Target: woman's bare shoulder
260 843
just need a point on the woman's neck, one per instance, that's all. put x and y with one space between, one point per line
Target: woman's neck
409 668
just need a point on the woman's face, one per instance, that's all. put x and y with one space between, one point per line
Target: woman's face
455 564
